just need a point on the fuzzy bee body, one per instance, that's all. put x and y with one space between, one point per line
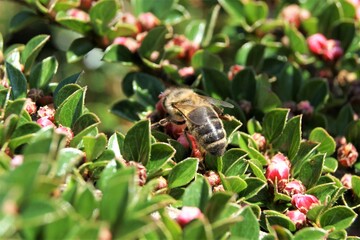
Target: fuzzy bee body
200 116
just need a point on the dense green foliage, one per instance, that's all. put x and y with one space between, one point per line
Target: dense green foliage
290 70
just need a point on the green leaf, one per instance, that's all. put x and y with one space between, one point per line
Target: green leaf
234 8
118 53
338 217
330 165
216 84
316 91
250 54
248 228
327 143
144 87
69 80
311 170
21 20
14 107
116 143
117 194
67 160
17 81
289 140
353 133
275 218
215 205
195 31
255 12
77 25
160 154
101 14
233 163
345 116
310 233
85 203
233 183
65 92
127 109
355 182
254 185
322 191
265 99
32 50
43 72
329 15
86 120
274 123
296 40
205 59
137 143
344 31
78 48
288 82
71 109
243 86
197 193
183 172
94 146
153 42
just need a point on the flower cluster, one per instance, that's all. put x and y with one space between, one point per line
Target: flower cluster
294 14
328 49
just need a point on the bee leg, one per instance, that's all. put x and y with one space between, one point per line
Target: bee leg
163 122
226 117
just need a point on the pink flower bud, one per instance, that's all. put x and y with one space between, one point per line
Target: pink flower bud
234 69
78 14
65 131
297 217
162 183
30 106
304 202
183 140
45 122
347 155
175 130
294 187
333 50
47 111
186 71
148 20
219 188
213 178
259 140
317 43
293 14
141 171
305 108
188 214
346 181
278 170
16 161
128 42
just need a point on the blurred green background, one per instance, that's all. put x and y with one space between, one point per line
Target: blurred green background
103 81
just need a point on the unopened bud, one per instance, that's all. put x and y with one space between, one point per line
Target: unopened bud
213 178
297 217
278 170
347 155
304 202
294 187
346 181
188 214
30 106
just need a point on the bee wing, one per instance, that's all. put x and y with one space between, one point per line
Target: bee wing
217 102
193 114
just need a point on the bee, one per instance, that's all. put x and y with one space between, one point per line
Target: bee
201 116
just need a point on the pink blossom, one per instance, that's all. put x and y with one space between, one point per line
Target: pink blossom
78 14
45 122
148 20
259 140
128 42
293 14
317 43
346 181
278 170
294 187
16 161
304 202
47 111
347 155
305 107
186 71
234 69
297 217
188 214
333 50
30 106
213 178
65 131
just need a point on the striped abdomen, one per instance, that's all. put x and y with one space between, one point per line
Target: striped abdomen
208 130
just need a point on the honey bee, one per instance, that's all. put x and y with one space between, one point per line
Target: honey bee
201 116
